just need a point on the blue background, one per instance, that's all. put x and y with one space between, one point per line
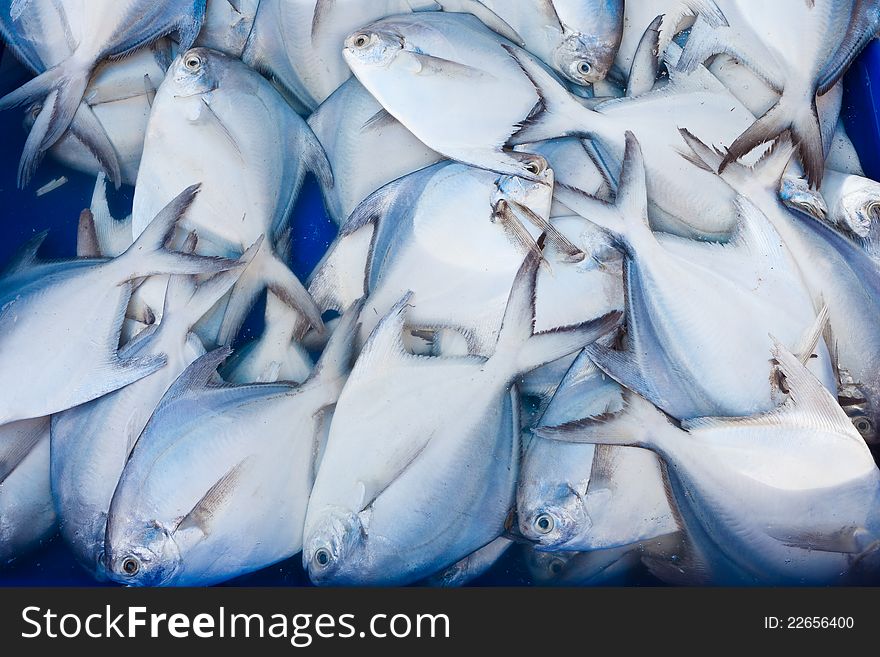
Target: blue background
23 214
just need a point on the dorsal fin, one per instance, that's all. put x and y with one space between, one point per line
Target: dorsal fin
385 343
199 375
26 256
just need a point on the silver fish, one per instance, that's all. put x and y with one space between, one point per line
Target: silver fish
76 308
390 457
473 566
367 147
96 30
217 121
204 498
92 442
747 288
27 511
787 496
854 207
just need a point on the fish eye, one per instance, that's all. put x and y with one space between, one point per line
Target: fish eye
544 523
193 62
863 425
534 167
322 557
35 111
361 40
131 566
584 67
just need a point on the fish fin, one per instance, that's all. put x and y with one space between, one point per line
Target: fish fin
122 372
755 234
90 132
526 350
26 257
17 8
554 237
646 61
385 344
558 113
61 88
700 155
150 27
87 236
847 540
804 130
864 25
341 276
266 271
708 10
380 119
320 16
316 160
515 230
806 348
338 357
114 237
11 455
201 374
148 254
634 426
430 65
488 17
203 512
270 374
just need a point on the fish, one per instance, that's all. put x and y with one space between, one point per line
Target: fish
76 307
787 44
580 497
91 443
579 40
216 121
228 25
838 273
96 31
367 147
27 510
473 566
205 498
787 497
413 65
745 288
853 207
119 95
298 42
407 487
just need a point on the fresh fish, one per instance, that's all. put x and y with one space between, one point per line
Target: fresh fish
413 66
854 208
544 568
367 147
736 294
217 121
76 310
787 43
473 566
92 442
94 31
27 512
577 39
205 497
837 272
578 497
406 486
298 42
228 25
119 95
787 496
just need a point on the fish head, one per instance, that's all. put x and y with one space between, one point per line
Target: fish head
858 211
546 567
372 48
584 58
330 550
795 192
145 557
31 114
520 192
196 72
558 517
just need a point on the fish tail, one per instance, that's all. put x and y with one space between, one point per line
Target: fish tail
267 271
558 113
521 349
91 133
149 255
639 424
316 160
795 116
61 89
114 236
338 357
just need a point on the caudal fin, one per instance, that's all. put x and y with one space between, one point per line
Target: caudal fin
60 89
797 116
523 349
149 255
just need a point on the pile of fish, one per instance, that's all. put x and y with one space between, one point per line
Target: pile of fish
606 288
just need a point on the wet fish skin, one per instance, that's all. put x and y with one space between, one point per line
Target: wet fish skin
77 307
27 512
204 498
107 29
